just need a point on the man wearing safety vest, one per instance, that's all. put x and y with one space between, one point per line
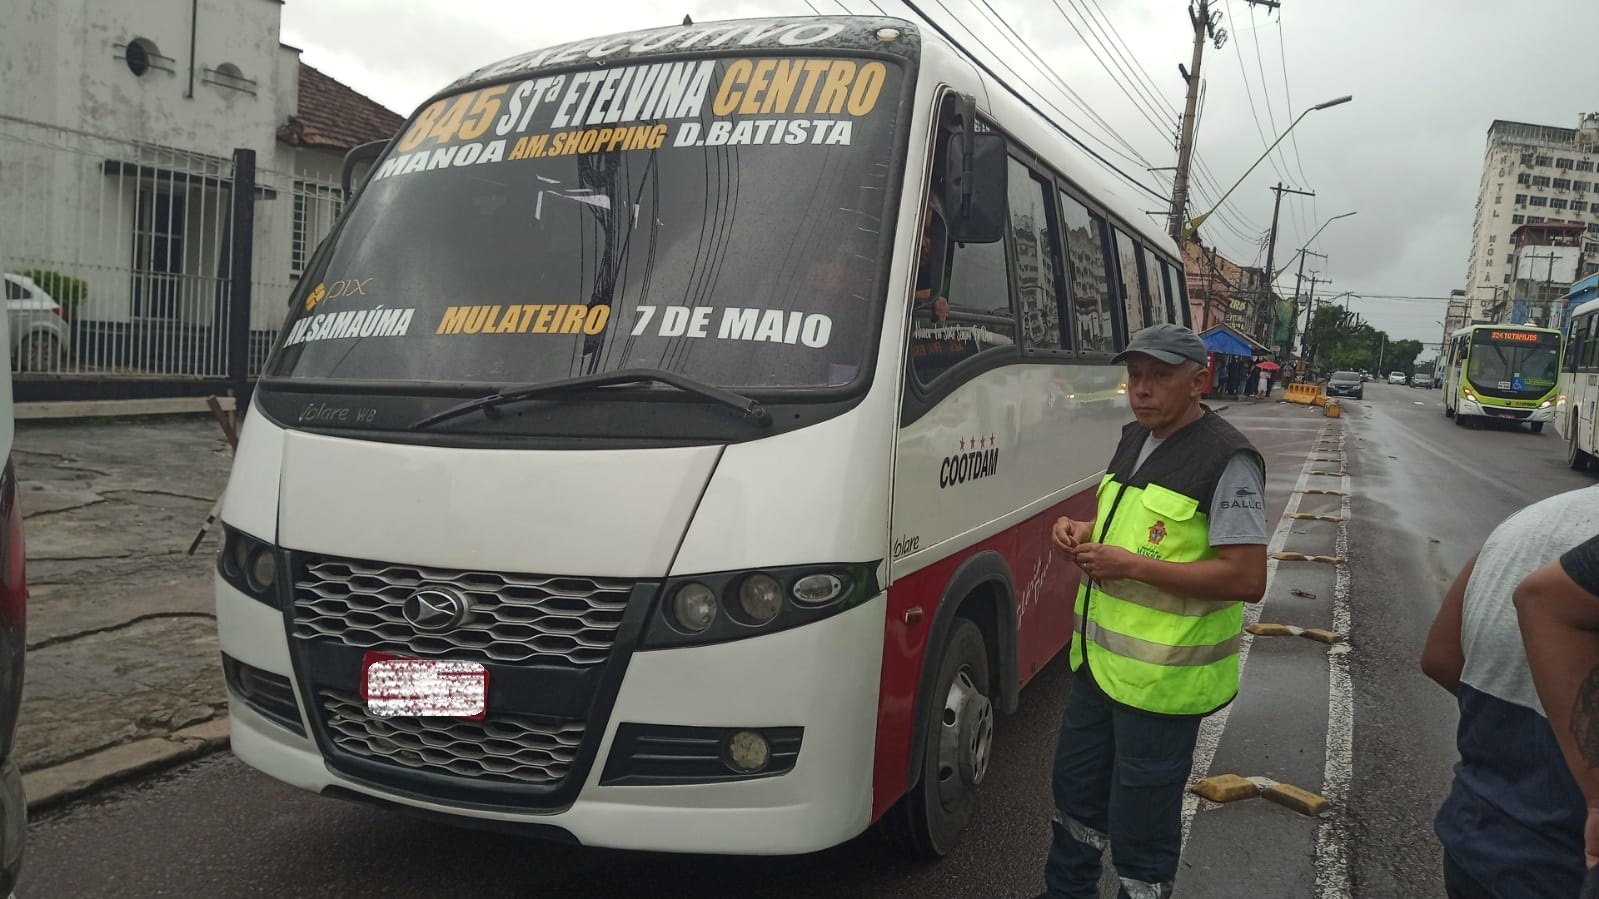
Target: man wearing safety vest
1177 546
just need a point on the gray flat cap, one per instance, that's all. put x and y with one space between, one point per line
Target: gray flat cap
1168 343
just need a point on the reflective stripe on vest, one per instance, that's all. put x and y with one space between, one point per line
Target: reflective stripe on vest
1157 653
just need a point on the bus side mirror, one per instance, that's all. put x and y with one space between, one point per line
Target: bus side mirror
366 154
976 189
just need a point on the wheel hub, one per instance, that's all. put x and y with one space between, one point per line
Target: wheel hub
966 733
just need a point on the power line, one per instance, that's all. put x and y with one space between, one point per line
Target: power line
911 5
1250 94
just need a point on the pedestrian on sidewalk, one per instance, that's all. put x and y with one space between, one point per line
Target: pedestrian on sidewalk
1512 823
1558 607
1177 545
1264 382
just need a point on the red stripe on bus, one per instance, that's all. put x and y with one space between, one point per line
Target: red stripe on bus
1045 585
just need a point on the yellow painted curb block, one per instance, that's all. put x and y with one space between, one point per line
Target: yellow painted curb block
1301 801
1273 630
1301 557
1225 788
1318 491
1306 516
1321 635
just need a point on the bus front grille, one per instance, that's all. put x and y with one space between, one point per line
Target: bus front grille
502 747
507 618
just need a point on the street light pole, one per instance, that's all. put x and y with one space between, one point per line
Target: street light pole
1194 223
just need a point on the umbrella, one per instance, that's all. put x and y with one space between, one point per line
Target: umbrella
1269 366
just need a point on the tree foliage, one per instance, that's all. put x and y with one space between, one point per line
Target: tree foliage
1338 340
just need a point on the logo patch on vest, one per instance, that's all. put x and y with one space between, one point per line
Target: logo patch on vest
1157 533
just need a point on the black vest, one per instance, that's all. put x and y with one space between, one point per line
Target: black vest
1190 461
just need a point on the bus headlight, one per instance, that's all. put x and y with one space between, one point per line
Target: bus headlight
249 565
1546 404
760 598
694 607
756 602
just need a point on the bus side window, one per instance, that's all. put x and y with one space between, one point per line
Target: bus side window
1032 230
1132 287
980 318
1154 285
1590 352
1088 278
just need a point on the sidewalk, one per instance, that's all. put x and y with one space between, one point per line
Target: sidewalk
122 668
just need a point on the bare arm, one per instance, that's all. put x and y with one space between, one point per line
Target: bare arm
1560 627
1237 574
1442 659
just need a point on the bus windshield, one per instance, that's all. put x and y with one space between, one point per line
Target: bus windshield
721 219
1513 364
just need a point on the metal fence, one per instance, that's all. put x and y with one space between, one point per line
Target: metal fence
139 270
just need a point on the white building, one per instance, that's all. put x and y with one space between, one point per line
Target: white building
1530 174
118 127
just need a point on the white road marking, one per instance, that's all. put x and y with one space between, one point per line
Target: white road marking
1211 729
1332 862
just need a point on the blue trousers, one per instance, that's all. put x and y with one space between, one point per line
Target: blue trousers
1119 780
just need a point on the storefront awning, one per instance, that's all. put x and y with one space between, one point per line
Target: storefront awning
1227 342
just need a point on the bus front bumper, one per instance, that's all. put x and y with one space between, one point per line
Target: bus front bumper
1475 407
821 677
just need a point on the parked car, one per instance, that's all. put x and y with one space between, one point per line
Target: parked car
1396 377
40 336
13 641
1346 383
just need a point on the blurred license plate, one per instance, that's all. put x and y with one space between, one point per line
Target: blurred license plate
395 686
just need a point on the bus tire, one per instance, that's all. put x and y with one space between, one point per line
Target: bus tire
1448 412
1537 427
1576 458
927 822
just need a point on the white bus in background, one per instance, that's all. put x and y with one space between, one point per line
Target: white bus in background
609 410
1575 415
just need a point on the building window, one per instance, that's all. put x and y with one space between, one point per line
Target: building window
1562 184
1518 219
1557 203
1538 201
1534 219
1521 199
1510 258
1564 163
1593 229
1585 165
1540 181
1523 179
1507 277
140 55
1579 186
1579 206
1546 160
316 208
1526 159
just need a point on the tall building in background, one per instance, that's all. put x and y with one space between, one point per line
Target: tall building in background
1531 174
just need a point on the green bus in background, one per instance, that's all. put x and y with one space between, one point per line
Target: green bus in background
1506 372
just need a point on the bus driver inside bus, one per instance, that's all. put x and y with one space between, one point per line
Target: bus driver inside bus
934 255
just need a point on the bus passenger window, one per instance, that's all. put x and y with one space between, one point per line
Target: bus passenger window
1030 227
979 319
1090 282
1132 287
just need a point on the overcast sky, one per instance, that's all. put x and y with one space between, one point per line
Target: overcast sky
1428 78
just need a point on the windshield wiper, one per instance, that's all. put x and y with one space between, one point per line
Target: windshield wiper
751 408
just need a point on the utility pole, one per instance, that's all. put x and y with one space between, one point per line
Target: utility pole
1204 23
1271 242
1293 320
1310 310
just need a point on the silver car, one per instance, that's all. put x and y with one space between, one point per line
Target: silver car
40 335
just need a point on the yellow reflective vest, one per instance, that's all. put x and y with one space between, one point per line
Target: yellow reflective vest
1148 648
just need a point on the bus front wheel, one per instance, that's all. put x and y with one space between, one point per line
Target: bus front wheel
1537 427
927 821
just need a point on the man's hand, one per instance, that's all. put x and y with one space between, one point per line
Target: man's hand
941 309
1068 534
1104 562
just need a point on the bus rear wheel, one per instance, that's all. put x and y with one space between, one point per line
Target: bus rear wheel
927 821
1575 457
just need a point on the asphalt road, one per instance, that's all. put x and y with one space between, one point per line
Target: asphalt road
1425 495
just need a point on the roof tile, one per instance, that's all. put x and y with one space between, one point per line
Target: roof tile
333 116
